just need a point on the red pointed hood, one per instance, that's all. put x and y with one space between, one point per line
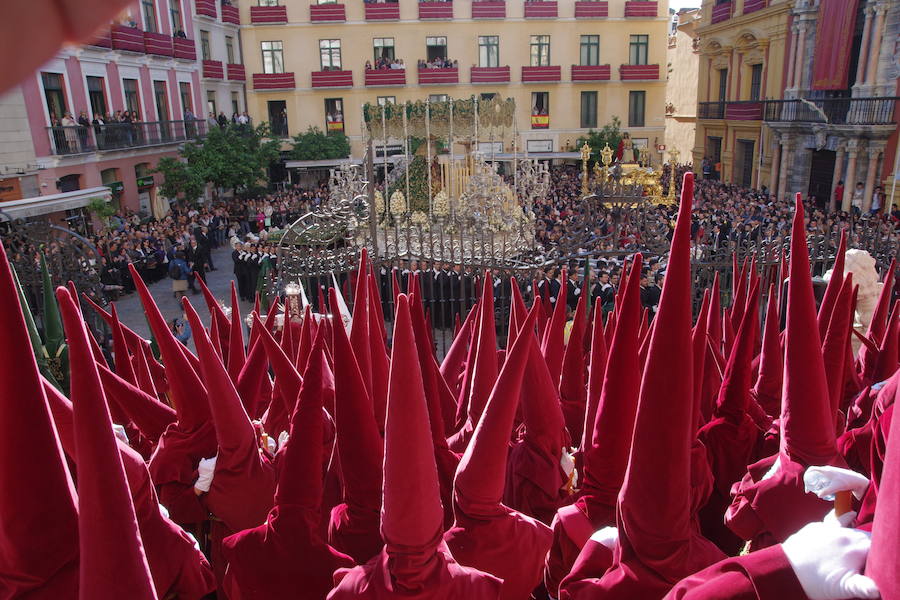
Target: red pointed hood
883 562
149 415
545 425
807 425
553 344
454 360
703 406
38 550
739 299
216 314
771 361
287 381
485 371
375 299
106 517
359 332
480 476
411 513
834 345
253 384
517 312
236 357
734 394
833 288
596 371
654 507
878 324
888 352
714 324
378 354
124 368
186 391
606 456
572 384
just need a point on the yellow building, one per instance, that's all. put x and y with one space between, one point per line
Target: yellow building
570 65
681 88
743 50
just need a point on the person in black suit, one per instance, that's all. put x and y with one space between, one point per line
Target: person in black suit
197 257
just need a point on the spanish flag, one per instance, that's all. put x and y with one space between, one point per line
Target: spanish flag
540 121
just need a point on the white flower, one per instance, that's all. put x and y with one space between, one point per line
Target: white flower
398 203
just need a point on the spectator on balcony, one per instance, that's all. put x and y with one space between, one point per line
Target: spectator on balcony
223 120
70 135
838 195
244 118
83 125
211 120
180 34
368 66
877 201
857 199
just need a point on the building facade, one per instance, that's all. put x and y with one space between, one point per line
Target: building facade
216 29
570 65
826 109
67 121
681 87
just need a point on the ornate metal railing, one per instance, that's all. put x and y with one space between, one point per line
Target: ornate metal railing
116 136
835 111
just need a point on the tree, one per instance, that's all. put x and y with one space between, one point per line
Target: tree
313 144
179 179
610 134
232 157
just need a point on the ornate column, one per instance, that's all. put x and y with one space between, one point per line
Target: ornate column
801 51
864 48
841 154
787 153
871 172
875 50
773 171
793 55
850 179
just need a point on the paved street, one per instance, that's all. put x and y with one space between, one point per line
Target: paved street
132 313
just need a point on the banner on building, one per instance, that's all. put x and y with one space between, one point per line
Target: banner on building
834 42
540 121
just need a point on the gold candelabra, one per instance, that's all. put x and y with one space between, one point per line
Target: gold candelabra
585 157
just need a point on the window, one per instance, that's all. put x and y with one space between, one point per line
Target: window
96 95
435 47
385 100
235 103
132 101
175 13
588 110
755 81
268 2
723 84
637 101
229 50
211 103
184 90
383 48
489 51
149 13
273 57
714 148
205 54
638 49
438 98
540 51
330 52
334 114
540 110
54 95
487 97
278 117
590 50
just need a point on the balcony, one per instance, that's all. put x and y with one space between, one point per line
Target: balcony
540 9
721 12
590 9
744 111
435 9
640 9
751 6
332 79
385 77
839 111
386 11
711 110
236 72
488 9
538 74
103 39
128 39
273 81
489 74
231 14
184 48
639 72
438 76
119 136
327 13
159 44
206 8
212 69
260 15
591 72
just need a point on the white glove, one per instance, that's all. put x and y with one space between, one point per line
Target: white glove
119 431
205 473
272 445
827 561
607 537
844 520
567 462
826 481
283 439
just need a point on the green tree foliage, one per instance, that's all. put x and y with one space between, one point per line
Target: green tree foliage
313 144
180 180
233 157
610 134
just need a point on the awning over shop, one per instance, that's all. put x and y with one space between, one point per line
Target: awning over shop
42 205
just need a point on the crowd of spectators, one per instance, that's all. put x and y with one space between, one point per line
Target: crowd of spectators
438 62
385 63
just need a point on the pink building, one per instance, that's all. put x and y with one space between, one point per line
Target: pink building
146 64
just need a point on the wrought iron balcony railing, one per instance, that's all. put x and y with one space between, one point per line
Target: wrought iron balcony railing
833 111
118 136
